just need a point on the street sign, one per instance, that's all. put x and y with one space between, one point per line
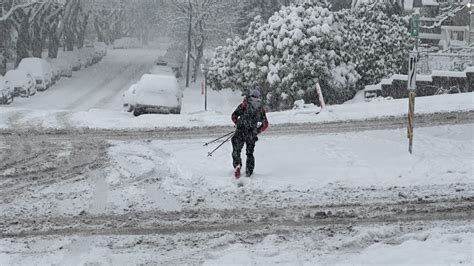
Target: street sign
415 24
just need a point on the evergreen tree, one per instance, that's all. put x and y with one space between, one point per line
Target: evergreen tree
249 9
376 42
285 57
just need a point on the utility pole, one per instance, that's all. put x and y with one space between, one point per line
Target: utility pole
205 69
189 43
415 21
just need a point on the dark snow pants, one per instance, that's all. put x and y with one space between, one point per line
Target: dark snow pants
238 140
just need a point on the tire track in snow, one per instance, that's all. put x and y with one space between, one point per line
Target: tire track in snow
29 163
236 220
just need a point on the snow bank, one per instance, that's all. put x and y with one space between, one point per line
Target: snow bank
221 110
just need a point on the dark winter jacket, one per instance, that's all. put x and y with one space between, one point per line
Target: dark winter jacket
247 118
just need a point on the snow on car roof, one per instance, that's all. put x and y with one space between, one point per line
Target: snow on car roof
158 82
34 64
16 74
31 61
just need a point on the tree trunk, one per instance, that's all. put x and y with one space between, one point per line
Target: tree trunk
145 35
199 48
82 33
70 40
23 39
37 43
69 30
98 30
3 44
197 61
53 41
189 43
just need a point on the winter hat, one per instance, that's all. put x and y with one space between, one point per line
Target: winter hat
254 99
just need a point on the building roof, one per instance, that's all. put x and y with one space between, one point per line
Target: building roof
429 3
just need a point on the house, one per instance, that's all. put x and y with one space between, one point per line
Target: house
444 21
455 37
426 85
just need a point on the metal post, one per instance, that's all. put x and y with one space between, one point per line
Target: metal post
412 79
205 89
189 43
411 111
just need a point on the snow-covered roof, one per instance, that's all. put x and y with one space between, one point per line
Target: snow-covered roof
469 69
429 3
399 77
373 87
452 74
431 36
456 28
386 81
408 4
427 78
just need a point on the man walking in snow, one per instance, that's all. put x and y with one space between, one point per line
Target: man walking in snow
250 120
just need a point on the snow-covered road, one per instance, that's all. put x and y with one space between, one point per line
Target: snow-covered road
98 86
130 195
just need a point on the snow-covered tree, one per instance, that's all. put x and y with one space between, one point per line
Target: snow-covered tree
389 7
249 9
299 46
377 43
210 20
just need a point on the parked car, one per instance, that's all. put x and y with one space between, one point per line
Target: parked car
6 91
87 56
40 69
65 68
56 74
73 59
157 94
88 43
23 82
161 68
101 47
128 98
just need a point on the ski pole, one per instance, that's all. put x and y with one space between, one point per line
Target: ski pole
209 154
212 141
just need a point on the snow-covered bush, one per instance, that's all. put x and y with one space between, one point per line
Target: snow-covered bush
377 43
300 104
284 58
